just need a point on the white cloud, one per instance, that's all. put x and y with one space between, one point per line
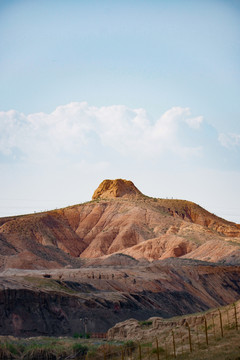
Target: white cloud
229 140
70 128
195 123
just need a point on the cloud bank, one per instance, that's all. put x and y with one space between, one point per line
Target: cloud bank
74 126
78 131
229 140
66 153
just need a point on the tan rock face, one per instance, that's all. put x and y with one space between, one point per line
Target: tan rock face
163 247
109 189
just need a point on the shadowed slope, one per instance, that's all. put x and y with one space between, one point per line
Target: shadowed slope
108 293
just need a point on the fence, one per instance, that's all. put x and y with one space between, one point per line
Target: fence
192 335
180 338
98 335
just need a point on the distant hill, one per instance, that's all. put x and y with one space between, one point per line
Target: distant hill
119 219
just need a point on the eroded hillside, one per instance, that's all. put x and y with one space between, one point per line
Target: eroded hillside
109 291
120 219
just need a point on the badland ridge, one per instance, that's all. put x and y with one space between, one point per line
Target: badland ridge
121 255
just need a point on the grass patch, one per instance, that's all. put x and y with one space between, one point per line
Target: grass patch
149 344
160 350
130 344
145 323
50 284
80 349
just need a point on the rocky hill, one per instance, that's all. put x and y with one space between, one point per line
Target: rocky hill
119 219
118 256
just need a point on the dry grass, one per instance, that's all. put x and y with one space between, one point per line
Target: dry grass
226 348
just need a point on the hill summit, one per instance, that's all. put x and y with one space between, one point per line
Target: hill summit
109 189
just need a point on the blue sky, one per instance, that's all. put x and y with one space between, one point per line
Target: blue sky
143 90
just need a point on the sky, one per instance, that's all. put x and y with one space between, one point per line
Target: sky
147 91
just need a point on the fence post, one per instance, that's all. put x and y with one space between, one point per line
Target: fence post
122 354
235 314
157 348
140 352
214 332
221 325
174 345
206 330
148 353
189 337
197 337
166 353
181 340
228 319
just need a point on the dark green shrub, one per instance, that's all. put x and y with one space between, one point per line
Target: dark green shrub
77 335
12 348
160 350
80 349
129 344
145 323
